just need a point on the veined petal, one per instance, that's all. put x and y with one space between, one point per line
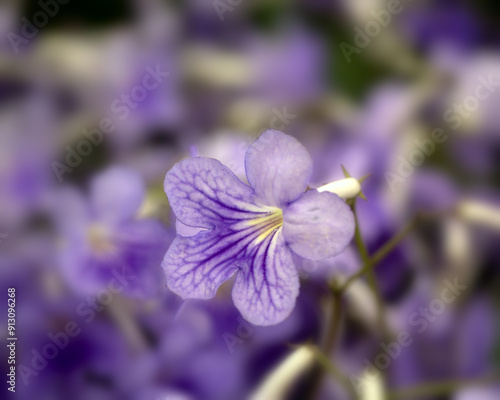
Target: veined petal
318 225
185 230
196 266
267 287
204 193
278 168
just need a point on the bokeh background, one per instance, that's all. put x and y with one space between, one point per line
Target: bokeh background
70 192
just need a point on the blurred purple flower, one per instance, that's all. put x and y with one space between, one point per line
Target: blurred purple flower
288 70
252 230
102 237
439 24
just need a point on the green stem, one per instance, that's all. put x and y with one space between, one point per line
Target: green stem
372 279
335 320
337 291
334 371
392 243
330 339
380 254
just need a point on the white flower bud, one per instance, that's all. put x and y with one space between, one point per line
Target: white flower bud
373 389
363 303
347 188
459 249
481 213
279 382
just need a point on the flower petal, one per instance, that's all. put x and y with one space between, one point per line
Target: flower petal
318 225
196 266
278 168
185 230
133 251
267 287
143 244
203 193
117 194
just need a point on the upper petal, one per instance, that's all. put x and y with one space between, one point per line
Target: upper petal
266 289
204 193
117 194
318 225
278 168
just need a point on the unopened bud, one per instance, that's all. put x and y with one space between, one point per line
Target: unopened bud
374 388
347 188
280 381
481 213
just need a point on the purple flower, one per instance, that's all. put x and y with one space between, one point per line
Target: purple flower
103 238
254 230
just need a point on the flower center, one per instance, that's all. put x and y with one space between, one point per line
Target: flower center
99 239
268 224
